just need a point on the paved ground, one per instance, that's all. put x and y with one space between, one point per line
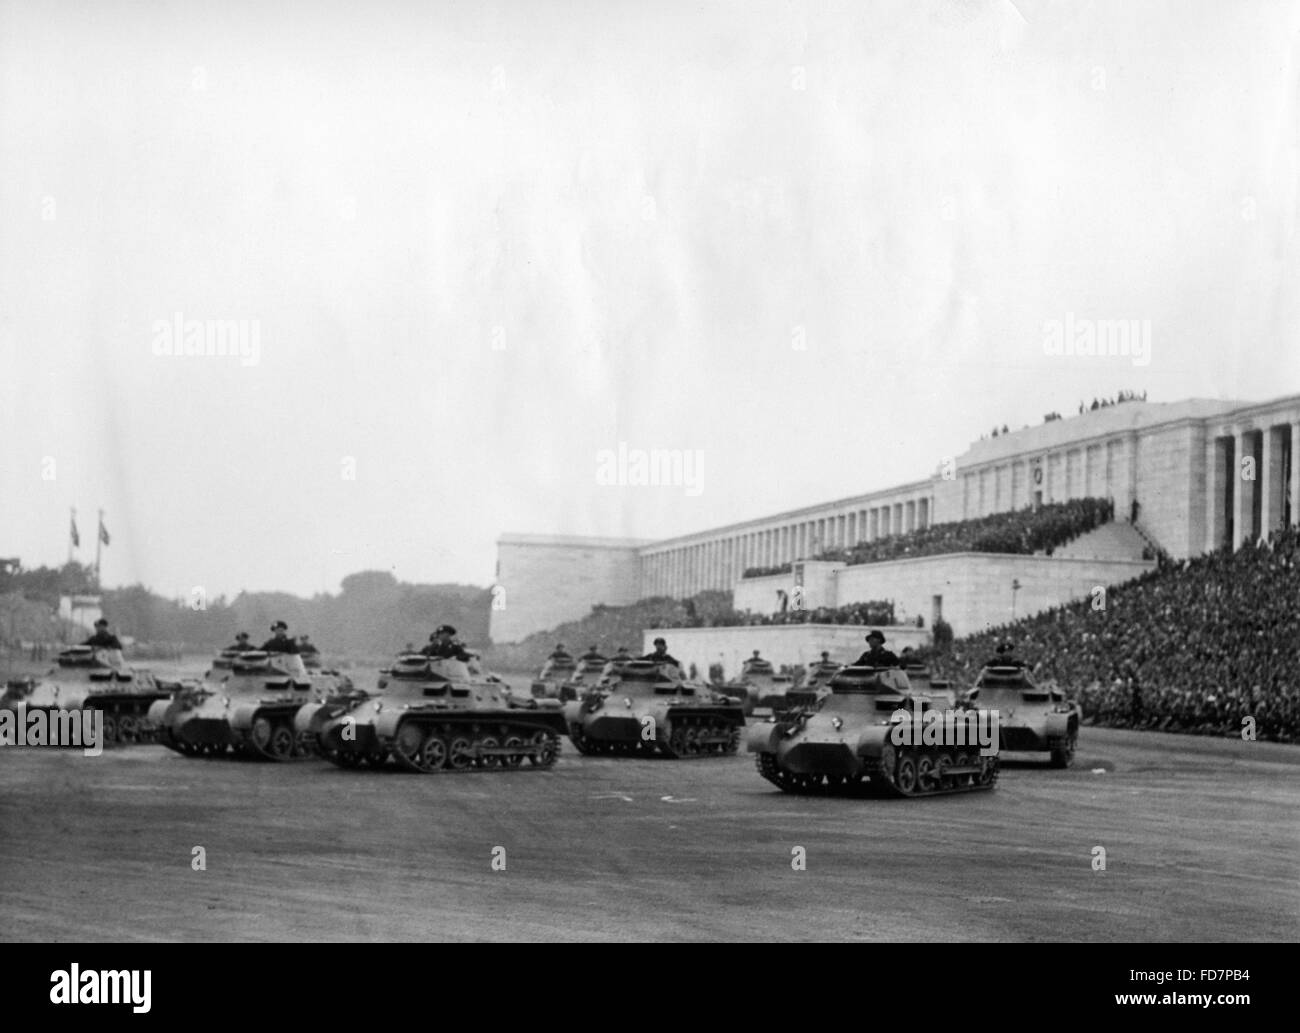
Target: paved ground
1202 841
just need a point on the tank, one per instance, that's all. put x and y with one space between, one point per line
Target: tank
586 677
1032 718
923 681
88 678
760 689
644 707
246 702
845 742
557 672
432 715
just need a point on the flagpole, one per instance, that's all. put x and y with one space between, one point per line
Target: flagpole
99 545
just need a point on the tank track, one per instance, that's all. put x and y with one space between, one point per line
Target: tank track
692 737
274 740
125 724
456 748
963 772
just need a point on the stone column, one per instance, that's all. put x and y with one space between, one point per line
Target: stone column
1131 480
1295 473
1240 511
1270 510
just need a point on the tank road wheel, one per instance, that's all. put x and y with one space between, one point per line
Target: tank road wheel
304 745
733 741
677 744
538 748
579 738
376 758
261 734
1063 750
515 743
489 760
967 759
546 748
691 737
905 776
988 771
406 747
283 744
433 753
110 729
128 731
460 753
926 778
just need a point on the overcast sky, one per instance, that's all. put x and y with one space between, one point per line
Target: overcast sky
479 243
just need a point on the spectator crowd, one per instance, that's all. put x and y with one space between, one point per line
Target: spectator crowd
1208 646
1022 532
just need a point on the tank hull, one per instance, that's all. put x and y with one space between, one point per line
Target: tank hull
436 717
247 709
87 680
648 712
848 743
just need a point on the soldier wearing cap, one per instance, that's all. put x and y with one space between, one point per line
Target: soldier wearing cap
1005 656
102 638
443 645
592 654
280 642
877 655
242 645
661 655
305 645
559 653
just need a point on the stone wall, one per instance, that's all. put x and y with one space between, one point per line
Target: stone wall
543 581
975 588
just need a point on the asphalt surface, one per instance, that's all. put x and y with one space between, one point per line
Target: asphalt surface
1201 840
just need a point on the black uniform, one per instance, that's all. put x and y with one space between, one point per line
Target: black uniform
591 656
663 658
307 647
242 647
103 640
445 651
280 645
877 658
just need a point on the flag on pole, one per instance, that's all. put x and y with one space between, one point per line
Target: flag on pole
103 531
76 538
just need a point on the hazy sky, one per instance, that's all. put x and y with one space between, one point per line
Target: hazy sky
481 242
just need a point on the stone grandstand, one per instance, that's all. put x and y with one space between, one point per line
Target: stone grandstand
1172 476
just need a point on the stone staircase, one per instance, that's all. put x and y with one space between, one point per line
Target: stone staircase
1116 540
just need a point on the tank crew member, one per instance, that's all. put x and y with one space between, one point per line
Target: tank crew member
1005 656
661 655
559 653
755 659
592 654
280 642
877 655
102 638
306 646
242 645
443 645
